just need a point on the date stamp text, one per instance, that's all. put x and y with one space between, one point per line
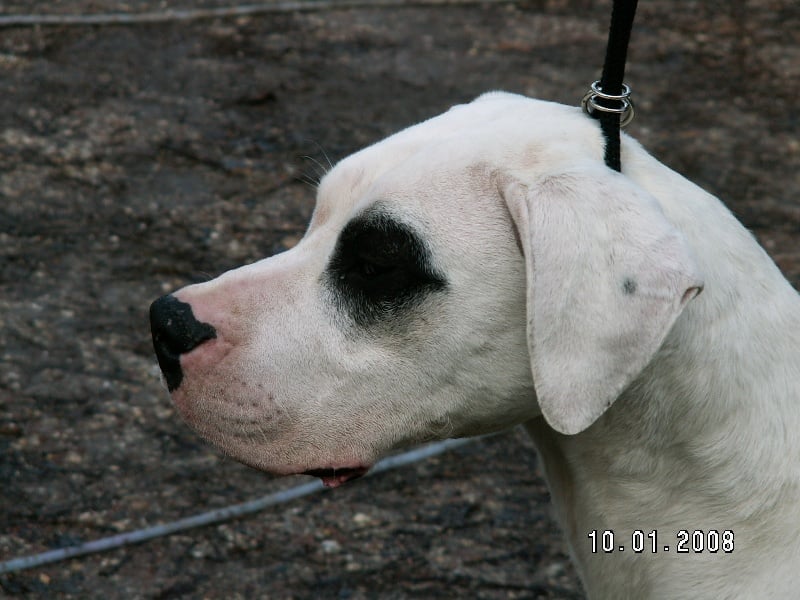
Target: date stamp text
684 542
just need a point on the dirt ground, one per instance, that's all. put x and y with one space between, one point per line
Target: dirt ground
136 159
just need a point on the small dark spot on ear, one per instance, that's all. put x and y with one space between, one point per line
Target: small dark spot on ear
629 286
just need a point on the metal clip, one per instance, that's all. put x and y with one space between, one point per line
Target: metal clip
625 110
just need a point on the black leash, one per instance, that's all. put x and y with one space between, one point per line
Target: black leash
609 99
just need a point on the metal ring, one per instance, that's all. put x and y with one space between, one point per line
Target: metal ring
626 92
626 110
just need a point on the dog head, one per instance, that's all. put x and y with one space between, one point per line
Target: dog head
467 274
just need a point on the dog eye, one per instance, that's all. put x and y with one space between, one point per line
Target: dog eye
379 255
371 270
375 260
367 270
380 267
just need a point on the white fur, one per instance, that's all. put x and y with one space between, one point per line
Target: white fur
573 306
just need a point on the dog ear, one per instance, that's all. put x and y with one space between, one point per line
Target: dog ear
607 276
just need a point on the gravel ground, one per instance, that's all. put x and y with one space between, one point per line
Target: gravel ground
137 159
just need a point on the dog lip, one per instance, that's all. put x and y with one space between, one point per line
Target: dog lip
334 477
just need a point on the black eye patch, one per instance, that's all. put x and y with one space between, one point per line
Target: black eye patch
380 268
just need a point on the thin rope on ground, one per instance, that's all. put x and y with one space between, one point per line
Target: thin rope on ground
218 515
194 14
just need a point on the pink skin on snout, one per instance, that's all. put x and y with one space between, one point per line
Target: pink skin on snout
207 397
202 358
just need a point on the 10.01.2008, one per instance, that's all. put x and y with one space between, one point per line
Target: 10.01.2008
685 542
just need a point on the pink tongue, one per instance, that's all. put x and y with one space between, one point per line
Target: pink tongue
332 481
335 478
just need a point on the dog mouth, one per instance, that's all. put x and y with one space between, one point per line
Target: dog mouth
335 477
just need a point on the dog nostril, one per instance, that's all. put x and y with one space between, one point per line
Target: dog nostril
175 331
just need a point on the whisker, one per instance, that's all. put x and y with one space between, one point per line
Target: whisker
320 168
324 154
308 179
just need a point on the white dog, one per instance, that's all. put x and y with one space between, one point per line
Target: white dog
485 268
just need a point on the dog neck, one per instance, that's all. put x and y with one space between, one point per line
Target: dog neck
704 439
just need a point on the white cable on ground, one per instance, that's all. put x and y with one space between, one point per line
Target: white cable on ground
218 515
194 14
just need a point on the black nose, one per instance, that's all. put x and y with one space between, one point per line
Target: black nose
175 331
